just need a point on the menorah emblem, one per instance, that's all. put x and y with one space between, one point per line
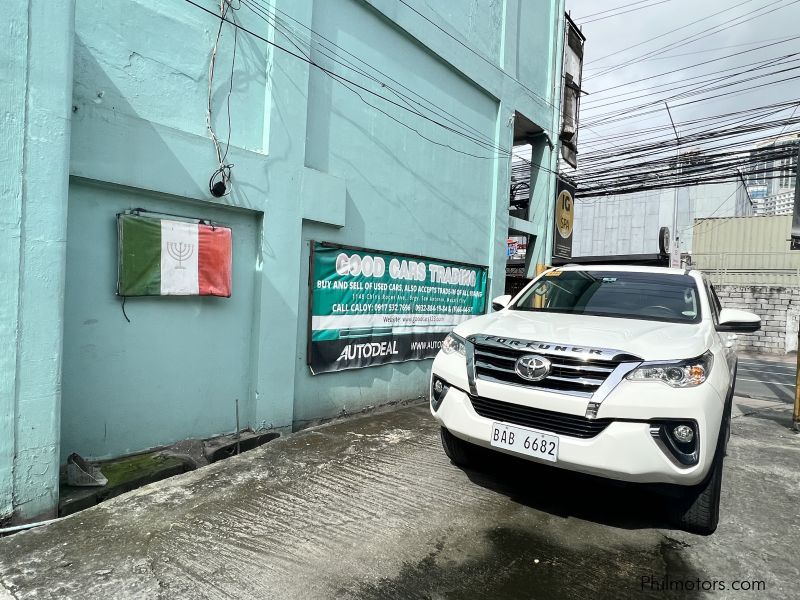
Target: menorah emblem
180 251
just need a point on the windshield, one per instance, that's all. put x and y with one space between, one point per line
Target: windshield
632 295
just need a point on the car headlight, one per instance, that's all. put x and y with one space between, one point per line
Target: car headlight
454 343
679 374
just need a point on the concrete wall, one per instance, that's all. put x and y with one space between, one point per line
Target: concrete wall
313 160
779 309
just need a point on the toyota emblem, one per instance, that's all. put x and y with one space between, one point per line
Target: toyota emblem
532 367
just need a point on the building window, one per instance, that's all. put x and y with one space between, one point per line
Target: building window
787 169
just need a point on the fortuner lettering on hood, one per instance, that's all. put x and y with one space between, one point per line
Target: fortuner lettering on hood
622 372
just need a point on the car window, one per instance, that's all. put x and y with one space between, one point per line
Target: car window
634 295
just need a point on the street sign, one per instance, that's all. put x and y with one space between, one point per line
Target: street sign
564 219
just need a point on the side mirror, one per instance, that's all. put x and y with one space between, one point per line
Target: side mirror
501 302
738 321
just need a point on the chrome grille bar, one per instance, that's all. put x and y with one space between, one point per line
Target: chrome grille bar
576 371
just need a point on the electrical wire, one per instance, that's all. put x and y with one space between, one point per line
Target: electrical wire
608 10
624 12
478 54
219 183
695 88
724 26
282 27
647 41
641 135
339 78
692 66
355 87
591 102
621 115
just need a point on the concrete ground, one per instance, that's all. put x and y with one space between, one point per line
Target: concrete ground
371 508
766 376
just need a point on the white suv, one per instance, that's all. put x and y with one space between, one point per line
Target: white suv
622 372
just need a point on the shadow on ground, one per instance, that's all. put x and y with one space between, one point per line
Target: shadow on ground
568 494
529 564
524 561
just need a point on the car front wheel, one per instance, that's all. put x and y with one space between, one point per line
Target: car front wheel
697 511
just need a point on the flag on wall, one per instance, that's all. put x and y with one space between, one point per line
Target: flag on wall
159 257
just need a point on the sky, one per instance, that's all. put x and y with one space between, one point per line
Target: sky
613 34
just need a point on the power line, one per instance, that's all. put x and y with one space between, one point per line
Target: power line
624 12
692 66
602 12
698 85
707 77
333 47
265 15
609 164
618 116
667 33
694 37
691 124
707 50
478 54
344 81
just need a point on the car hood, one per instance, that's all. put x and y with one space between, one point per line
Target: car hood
650 340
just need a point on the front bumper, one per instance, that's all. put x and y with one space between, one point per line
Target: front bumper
625 450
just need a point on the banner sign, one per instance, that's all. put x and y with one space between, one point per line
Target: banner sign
565 216
372 308
161 257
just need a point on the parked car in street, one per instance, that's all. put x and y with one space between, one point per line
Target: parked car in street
622 372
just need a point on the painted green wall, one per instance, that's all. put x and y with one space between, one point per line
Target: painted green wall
179 365
312 161
36 70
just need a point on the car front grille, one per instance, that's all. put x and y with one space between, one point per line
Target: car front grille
537 418
569 375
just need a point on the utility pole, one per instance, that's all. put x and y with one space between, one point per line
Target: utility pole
675 247
795 245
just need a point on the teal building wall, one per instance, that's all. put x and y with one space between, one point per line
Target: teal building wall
107 111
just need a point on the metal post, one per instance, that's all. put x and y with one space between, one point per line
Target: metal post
796 413
794 246
676 243
238 430
795 236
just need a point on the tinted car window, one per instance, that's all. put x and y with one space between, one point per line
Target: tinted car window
634 295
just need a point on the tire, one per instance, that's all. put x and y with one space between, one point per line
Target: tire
727 433
457 450
698 510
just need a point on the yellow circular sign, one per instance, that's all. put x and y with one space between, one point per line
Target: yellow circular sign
564 214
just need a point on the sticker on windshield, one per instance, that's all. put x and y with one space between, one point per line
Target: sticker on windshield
609 279
555 273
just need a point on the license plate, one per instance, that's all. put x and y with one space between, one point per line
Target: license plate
525 441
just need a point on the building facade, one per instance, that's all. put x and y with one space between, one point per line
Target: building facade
629 224
355 122
773 183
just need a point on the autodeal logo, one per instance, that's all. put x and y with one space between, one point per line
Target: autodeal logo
369 350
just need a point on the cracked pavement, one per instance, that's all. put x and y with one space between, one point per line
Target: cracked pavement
371 508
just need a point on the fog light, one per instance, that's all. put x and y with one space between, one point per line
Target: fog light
438 392
683 433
